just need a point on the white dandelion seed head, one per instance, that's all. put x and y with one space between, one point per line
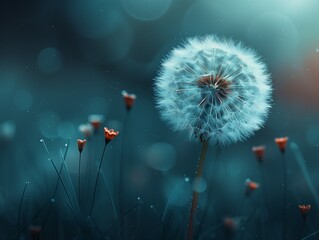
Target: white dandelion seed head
213 89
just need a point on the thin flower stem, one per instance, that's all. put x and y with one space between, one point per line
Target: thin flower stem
302 227
284 207
122 169
210 193
63 185
79 177
97 179
20 205
195 197
310 235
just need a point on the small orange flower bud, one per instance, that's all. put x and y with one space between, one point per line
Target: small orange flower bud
282 142
230 225
81 144
86 130
129 100
96 121
304 210
35 232
109 134
259 151
250 186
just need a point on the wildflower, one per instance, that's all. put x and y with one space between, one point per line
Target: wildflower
129 99
35 232
86 130
81 144
250 186
109 134
230 225
282 142
260 152
304 210
96 120
214 89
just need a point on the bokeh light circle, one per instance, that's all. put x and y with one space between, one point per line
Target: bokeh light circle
66 130
23 100
161 156
94 18
49 60
146 10
48 124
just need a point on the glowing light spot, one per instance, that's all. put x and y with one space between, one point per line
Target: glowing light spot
161 156
146 10
50 60
23 100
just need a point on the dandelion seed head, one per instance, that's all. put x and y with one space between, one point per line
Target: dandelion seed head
213 89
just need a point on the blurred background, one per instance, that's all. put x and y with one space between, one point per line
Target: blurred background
61 61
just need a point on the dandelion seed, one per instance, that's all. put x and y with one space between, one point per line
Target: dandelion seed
214 89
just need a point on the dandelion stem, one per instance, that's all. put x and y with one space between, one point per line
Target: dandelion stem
122 169
20 205
284 207
79 181
210 193
195 196
302 227
97 179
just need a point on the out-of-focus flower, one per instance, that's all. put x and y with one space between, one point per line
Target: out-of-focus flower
35 232
304 210
250 186
81 144
231 225
129 99
282 142
86 130
96 121
109 134
214 89
259 152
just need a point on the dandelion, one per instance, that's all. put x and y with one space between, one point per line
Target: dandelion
304 210
213 90
129 100
282 142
